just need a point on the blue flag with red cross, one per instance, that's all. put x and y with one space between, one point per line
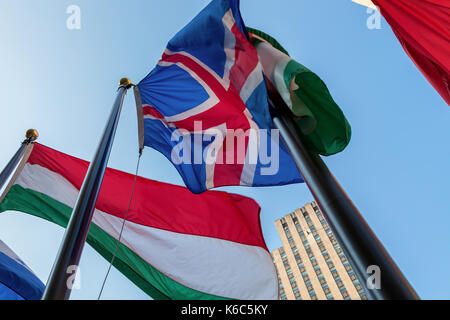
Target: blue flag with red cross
205 106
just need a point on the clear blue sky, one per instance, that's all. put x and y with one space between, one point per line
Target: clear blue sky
396 168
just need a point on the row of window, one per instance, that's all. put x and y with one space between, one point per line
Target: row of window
299 262
344 261
290 277
321 247
325 254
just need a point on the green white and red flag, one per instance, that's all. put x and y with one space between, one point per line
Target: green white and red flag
322 123
175 244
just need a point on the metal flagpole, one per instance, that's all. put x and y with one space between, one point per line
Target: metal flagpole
30 136
358 241
59 284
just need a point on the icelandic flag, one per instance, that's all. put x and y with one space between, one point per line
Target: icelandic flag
17 281
205 106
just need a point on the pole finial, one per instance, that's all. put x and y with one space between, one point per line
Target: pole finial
125 82
32 134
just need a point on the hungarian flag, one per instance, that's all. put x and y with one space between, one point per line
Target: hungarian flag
17 280
323 126
175 244
423 29
205 106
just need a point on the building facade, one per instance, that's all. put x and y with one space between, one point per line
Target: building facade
311 264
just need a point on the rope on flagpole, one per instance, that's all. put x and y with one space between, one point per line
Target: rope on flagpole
123 225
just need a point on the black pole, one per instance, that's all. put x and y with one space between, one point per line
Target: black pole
31 135
68 258
356 238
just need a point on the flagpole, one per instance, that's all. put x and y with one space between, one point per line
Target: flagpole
61 278
30 136
356 238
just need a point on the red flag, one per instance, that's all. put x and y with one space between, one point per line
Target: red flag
423 29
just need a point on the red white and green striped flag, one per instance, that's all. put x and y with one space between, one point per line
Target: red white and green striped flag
175 244
323 126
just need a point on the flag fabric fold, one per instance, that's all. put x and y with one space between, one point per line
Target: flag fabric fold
17 280
175 244
205 106
322 123
422 27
